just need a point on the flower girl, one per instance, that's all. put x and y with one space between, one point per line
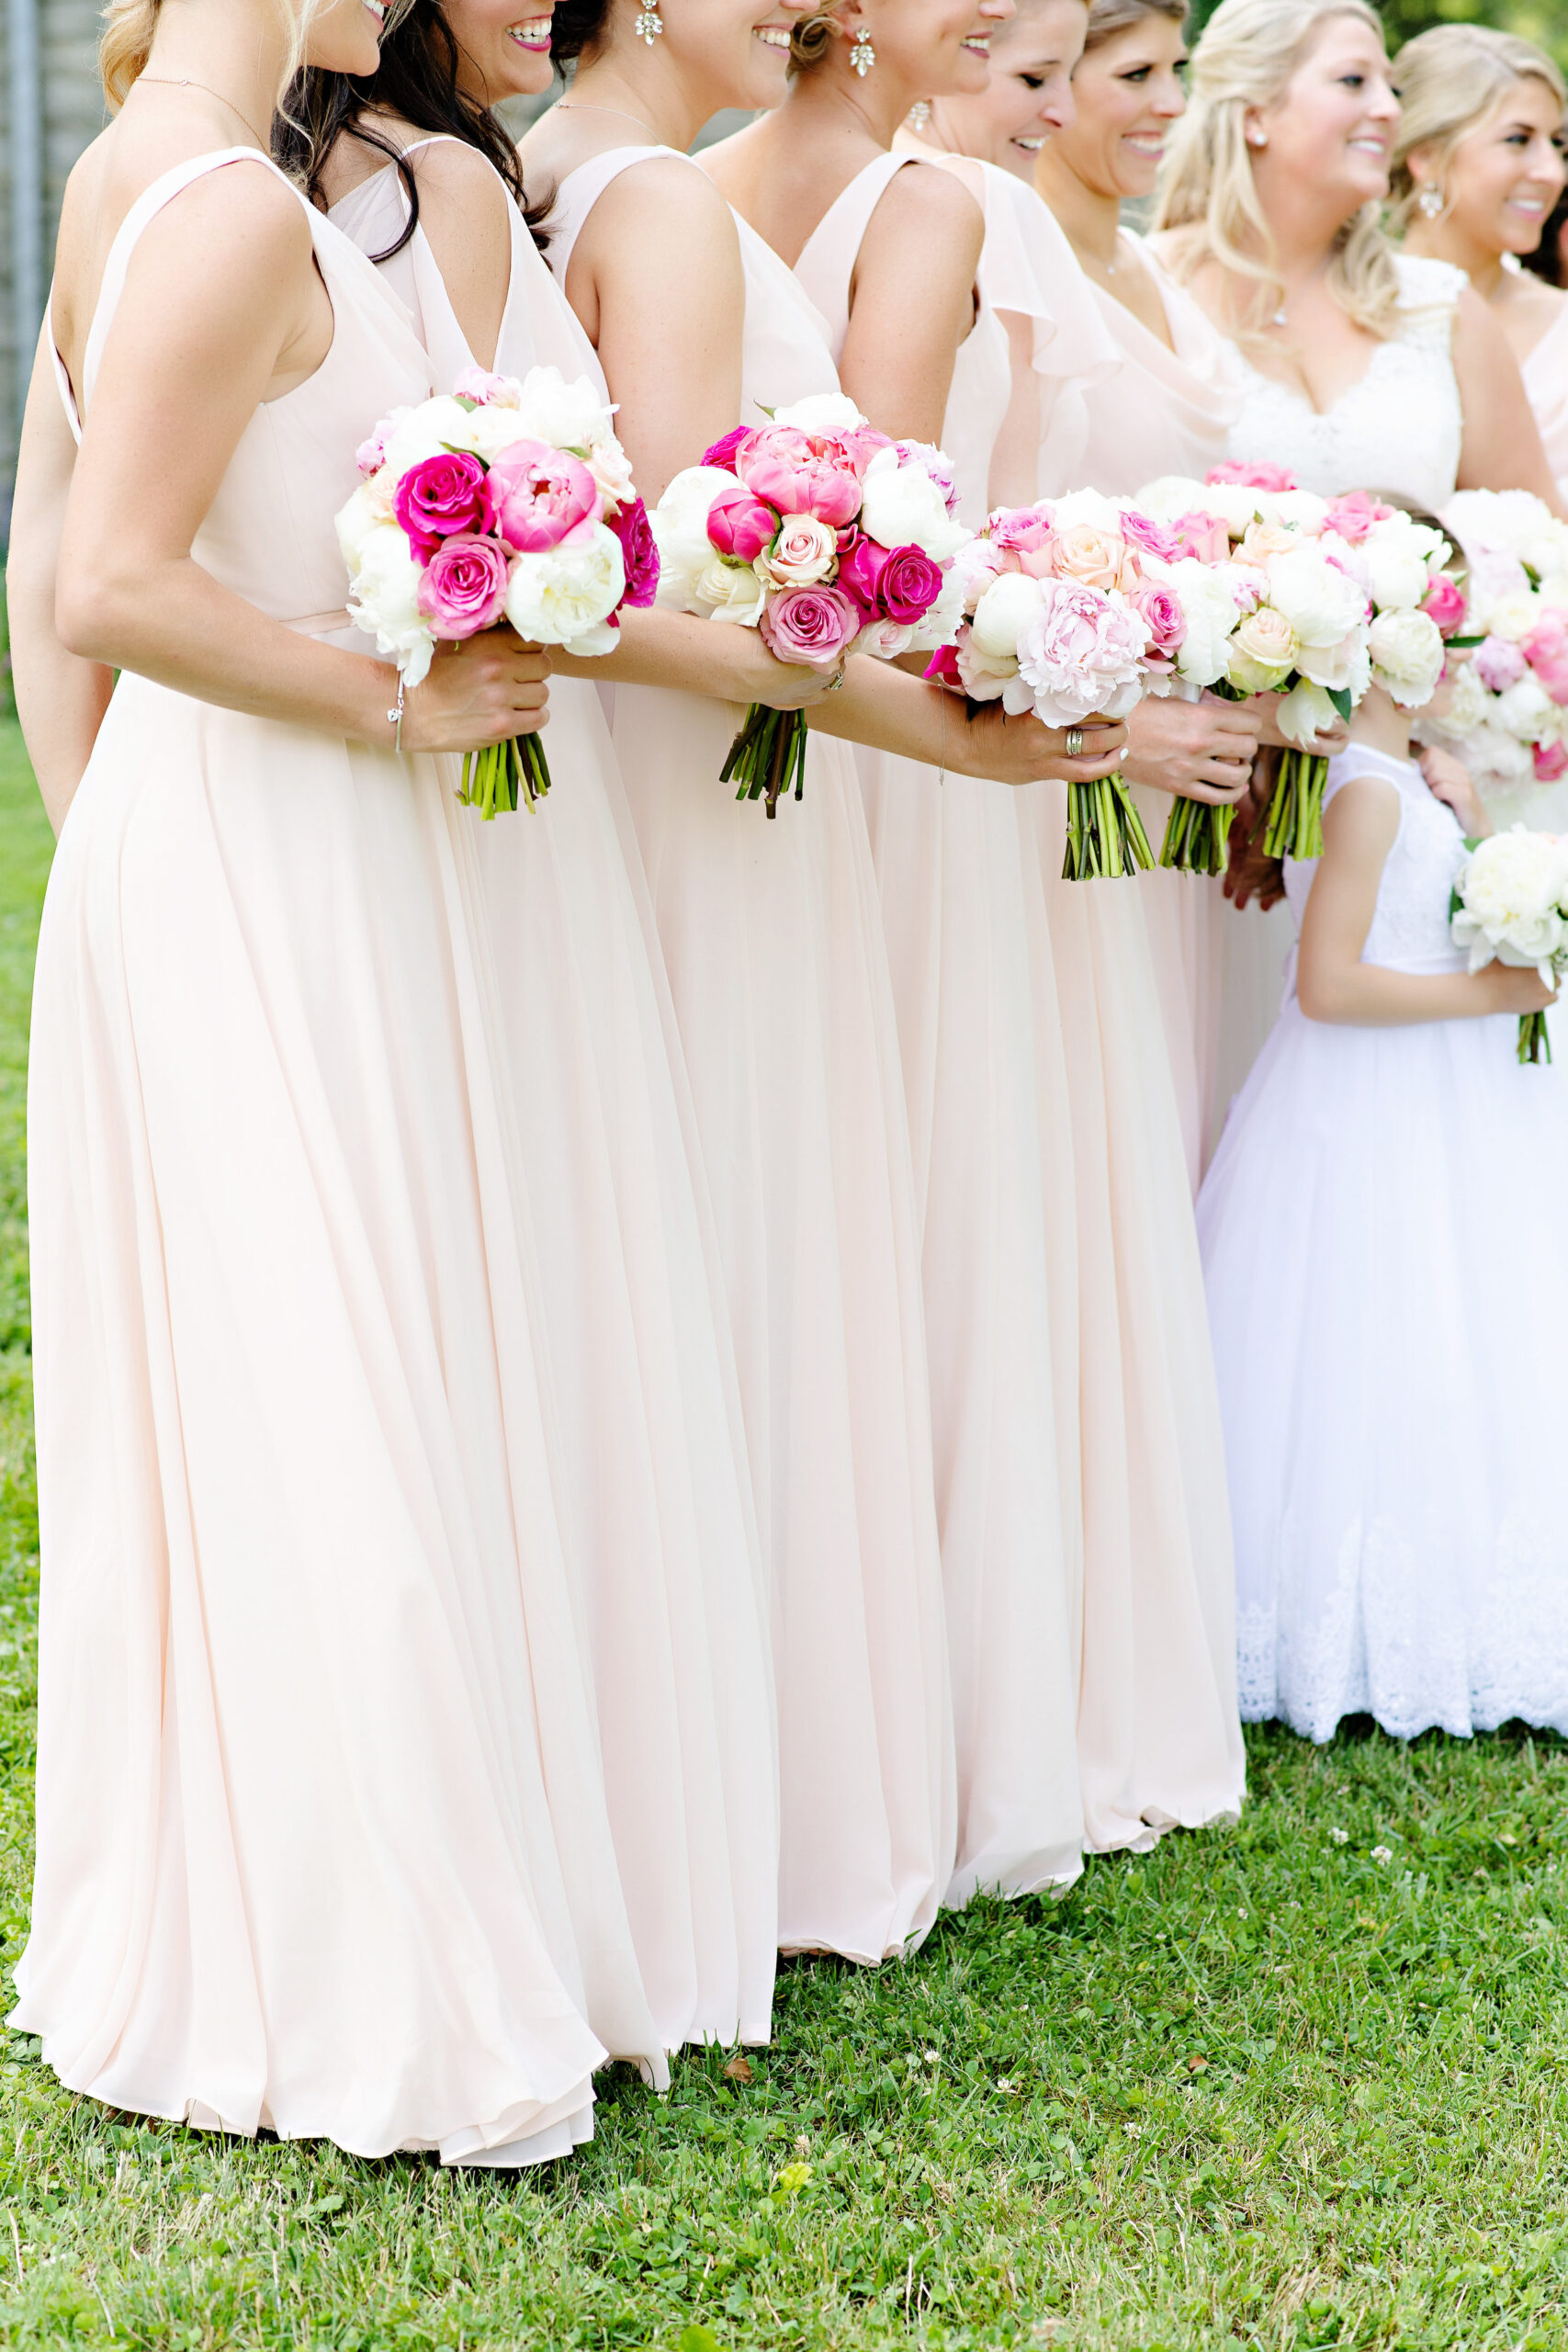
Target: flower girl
1389 1383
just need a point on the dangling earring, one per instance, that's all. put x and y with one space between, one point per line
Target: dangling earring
921 115
1429 203
649 24
863 57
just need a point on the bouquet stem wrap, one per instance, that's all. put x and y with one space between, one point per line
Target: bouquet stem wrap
1294 827
768 756
1105 833
1197 837
494 777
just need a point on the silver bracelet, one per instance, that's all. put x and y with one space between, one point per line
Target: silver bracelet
395 715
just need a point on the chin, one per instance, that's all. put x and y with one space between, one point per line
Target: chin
349 52
1021 166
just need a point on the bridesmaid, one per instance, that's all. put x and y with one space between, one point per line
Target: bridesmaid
1477 172
322 1838
658 1493
860 224
772 940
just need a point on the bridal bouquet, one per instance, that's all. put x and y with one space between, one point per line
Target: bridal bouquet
500 501
1505 711
1510 904
826 538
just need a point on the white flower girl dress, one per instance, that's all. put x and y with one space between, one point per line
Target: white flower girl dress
1387 1271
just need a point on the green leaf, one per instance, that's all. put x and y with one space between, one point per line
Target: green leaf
1340 697
696 2338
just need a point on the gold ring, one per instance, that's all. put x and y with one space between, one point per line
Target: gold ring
1074 742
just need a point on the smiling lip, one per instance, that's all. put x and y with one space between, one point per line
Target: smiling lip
978 44
530 32
1033 144
773 36
377 10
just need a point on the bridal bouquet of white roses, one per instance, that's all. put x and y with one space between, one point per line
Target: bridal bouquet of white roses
1510 905
500 501
1505 710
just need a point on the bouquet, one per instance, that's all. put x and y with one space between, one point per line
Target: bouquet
826 538
500 501
1510 905
1505 711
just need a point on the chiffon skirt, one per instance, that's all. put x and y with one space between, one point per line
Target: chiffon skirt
1159 1743
990 1155
655 1491
1389 1377
322 1841
1184 917
773 943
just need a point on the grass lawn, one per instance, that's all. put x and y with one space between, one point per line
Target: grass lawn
1298 2083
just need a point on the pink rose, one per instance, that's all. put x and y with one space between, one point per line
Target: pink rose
1202 535
480 386
464 586
1444 603
1354 514
640 554
1260 476
810 626
806 551
1162 617
536 494
1545 650
1498 664
1550 760
722 454
1081 652
897 584
440 498
801 473
1152 539
1018 530
739 525
1099 557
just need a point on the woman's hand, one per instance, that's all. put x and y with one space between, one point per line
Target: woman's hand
1250 872
1202 750
1021 751
1510 987
1448 780
1322 746
483 691
757 677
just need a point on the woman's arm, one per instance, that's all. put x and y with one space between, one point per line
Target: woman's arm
1502 446
60 699
210 313
912 301
1331 983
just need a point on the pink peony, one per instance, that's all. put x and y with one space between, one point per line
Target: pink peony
1444 603
1081 652
440 498
1152 539
1202 535
1498 664
1260 476
934 462
464 586
1545 650
640 554
371 456
1162 617
1550 761
481 386
740 525
1354 514
722 454
810 626
801 473
536 496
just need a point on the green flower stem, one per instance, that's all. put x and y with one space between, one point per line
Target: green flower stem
1294 827
768 757
1534 1045
1105 833
494 777
1197 837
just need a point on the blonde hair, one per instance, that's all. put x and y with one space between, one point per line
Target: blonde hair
126 43
1450 79
1207 195
1109 18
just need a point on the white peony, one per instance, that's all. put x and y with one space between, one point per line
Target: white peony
1345 668
1236 505
1171 496
1091 506
1299 510
884 640
1466 703
566 595
1509 519
366 509
1514 616
680 526
568 417
1003 613
1525 710
1305 712
1322 605
1406 654
383 597
902 507
941 621
821 413
1397 573
1512 890
424 431
1209 607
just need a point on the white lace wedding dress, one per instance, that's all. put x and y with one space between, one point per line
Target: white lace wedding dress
1398 428
1387 1271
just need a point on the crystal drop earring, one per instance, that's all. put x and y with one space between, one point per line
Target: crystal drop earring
921 115
863 57
1429 203
649 24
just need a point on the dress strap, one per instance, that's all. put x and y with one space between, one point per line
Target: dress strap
827 261
580 192
148 205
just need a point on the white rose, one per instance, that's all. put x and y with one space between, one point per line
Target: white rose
1003 613
1172 496
366 509
424 431
1235 503
1299 510
1511 890
804 551
1525 710
731 591
902 507
938 624
1305 712
568 417
821 413
1345 668
884 640
1397 567
1209 607
566 595
383 598
1406 651
680 527
1322 605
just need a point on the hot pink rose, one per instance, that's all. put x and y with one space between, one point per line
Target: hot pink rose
809 626
1444 603
464 587
943 667
439 498
800 474
1545 650
1202 535
1152 539
891 583
1499 664
1550 761
536 494
723 452
740 525
1259 475
640 554
1354 514
1162 617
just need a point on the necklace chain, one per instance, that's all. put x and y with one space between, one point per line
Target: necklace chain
581 105
188 82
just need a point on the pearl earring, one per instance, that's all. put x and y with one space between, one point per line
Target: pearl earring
1258 139
863 57
1429 203
649 24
